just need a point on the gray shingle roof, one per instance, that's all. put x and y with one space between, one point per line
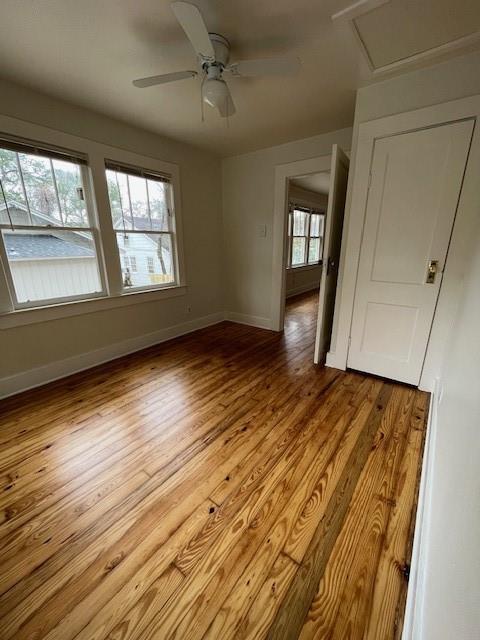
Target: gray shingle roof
22 246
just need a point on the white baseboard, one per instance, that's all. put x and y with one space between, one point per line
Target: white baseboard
252 321
61 368
413 619
302 289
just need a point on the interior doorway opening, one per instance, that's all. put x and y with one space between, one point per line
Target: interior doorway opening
307 207
308 223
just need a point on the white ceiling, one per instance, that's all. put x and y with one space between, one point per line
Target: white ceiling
317 182
88 52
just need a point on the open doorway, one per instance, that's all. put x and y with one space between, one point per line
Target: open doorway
307 206
307 234
307 197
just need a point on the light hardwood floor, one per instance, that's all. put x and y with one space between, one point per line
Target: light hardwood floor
216 486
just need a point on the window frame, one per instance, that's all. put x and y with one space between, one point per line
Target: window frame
149 174
309 211
96 154
44 152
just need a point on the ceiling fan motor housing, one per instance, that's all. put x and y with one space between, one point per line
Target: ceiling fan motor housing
221 47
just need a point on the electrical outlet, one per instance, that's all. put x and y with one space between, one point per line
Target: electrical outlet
262 230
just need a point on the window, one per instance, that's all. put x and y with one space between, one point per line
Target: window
142 215
48 240
305 237
130 262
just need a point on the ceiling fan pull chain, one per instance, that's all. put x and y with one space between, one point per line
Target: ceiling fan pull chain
202 106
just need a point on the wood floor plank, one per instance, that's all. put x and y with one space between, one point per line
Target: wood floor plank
390 589
236 605
345 588
206 487
269 599
290 618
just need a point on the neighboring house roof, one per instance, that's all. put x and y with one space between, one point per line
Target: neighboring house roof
35 245
140 224
28 246
18 214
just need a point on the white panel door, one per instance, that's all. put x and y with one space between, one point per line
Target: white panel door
415 183
332 242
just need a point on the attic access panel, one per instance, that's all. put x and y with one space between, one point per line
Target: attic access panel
400 31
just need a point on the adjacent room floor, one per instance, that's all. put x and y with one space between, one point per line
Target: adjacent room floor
217 486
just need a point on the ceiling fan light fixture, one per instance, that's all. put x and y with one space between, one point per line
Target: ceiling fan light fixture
215 92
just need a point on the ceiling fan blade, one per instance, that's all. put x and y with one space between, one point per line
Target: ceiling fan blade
192 22
227 107
151 81
265 66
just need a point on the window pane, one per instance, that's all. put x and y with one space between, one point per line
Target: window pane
152 255
12 188
119 200
315 225
298 251
40 188
139 200
70 193
299 223
158 194
52 264
115 197
314 250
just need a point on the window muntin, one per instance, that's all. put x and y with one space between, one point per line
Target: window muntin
48 241
305 237
142 216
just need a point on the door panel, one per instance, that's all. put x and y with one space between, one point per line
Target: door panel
332 242
415 184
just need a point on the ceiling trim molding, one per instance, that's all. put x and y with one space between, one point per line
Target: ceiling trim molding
357 9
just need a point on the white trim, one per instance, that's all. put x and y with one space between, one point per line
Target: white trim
368 132
97 192
428 54
283 172
61 368
413 618
22 317
304 267
357 9
252 321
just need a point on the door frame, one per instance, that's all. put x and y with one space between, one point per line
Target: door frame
283 173
461 244
339 159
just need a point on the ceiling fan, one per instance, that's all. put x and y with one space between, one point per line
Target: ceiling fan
213 51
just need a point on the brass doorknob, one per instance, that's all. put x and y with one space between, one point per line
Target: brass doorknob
432 271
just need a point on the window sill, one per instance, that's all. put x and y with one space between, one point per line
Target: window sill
23 317
305 267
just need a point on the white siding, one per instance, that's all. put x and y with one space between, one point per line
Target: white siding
142 247
54 278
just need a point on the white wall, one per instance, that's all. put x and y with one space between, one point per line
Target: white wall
248 200
448 602
302 279
36 345
451 601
